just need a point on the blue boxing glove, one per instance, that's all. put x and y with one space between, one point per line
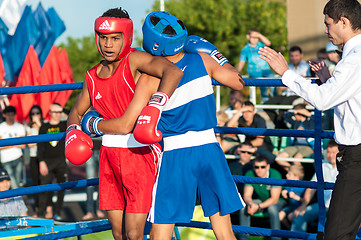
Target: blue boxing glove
89 124
195 44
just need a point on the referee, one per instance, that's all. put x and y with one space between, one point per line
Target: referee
341 91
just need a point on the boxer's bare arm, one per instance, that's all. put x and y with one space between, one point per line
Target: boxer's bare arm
146 86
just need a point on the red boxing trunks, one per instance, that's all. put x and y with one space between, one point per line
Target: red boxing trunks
126 178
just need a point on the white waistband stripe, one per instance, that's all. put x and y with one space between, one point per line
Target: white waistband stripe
189 139
121 141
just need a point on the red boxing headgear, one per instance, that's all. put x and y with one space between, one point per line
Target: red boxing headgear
108 25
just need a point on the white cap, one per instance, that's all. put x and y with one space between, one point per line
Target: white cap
331 48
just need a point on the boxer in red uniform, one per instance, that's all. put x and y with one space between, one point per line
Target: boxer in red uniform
127 168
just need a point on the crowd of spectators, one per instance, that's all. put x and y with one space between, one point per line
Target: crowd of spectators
280 157
39 163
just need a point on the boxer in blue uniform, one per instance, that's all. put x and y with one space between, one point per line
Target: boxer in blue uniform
192 159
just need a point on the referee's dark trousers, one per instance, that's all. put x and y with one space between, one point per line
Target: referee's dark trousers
344 214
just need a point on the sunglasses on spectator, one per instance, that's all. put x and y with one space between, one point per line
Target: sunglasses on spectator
35 113
250 153
258 167
56 111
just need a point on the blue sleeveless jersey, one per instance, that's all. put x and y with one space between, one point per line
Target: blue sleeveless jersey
192 106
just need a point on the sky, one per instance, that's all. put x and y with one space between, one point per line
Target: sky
79 15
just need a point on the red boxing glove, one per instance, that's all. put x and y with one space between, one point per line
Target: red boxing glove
146 129
78 145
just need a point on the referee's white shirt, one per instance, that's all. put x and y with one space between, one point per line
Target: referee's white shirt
342 91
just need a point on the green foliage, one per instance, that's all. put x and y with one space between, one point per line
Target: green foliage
225 23
83 55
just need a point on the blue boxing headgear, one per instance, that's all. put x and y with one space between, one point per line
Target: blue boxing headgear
163 34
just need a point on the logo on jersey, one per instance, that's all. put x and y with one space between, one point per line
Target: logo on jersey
219 56
184 68
98 96
105 26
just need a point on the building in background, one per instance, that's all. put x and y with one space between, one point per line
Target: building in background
306 28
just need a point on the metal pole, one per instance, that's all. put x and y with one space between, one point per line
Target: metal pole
162 5
218 97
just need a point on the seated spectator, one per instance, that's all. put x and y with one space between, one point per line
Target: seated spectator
332 55
332 58
247 117
286 97
245 151
308 211
227 141
262 197
297 64
292 194
322 56
300 119
236 101
13 206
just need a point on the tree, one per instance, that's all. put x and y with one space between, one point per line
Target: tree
83 55
225 23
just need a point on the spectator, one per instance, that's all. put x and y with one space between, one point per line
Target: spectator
226 140
287 97
12 156
35 122
333 56
292 194
322 54
91 170
247 117
262 197
236 101
245 151
256 67
297 63
308 211
13 206
52 161
299 119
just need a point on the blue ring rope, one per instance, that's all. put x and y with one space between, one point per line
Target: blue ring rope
49 188
74 86
246 131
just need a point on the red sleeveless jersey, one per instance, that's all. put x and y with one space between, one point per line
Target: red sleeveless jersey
111 96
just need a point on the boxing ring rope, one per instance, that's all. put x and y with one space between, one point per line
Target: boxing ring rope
87 227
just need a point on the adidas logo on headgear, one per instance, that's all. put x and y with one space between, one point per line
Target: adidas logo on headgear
105 26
